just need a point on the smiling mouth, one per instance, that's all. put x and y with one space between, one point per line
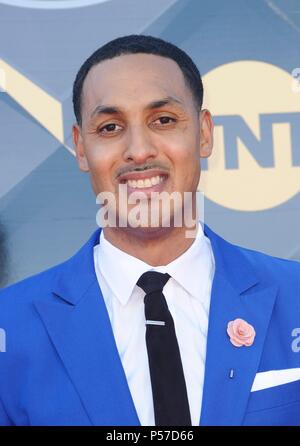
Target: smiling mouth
145 183
147 179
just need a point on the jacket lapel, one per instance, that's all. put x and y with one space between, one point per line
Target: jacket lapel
236 293
79 327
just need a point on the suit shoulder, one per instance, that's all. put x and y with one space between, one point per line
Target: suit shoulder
272 263
29 288
264 265
283 272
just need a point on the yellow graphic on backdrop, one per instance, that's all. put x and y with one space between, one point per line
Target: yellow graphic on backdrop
256 160
47 110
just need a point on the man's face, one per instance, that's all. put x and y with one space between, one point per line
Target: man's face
140 127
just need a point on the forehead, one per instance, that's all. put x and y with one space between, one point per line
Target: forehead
133 79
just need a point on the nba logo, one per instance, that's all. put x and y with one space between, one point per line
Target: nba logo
2 340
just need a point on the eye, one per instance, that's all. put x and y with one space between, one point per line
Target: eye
110 128
165 120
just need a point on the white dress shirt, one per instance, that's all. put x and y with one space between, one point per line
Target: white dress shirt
187 293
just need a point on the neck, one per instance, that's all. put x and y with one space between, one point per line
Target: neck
155 247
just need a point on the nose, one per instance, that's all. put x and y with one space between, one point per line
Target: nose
139 146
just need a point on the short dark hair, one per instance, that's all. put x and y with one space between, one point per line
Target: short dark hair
133 44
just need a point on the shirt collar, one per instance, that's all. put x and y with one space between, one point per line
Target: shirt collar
192 269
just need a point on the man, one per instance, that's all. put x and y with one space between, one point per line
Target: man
146 325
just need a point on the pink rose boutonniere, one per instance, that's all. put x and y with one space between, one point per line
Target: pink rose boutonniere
240 333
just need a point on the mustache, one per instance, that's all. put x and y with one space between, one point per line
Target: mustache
141 169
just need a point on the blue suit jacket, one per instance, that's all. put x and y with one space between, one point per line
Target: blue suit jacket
61 365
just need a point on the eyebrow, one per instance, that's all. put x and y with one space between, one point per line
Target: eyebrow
113 110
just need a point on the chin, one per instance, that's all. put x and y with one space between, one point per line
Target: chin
148 233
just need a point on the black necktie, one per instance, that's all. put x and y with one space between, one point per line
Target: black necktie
171 407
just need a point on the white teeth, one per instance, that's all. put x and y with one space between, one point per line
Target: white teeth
154 180
147 182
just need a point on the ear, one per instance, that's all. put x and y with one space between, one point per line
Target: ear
79 148
206 135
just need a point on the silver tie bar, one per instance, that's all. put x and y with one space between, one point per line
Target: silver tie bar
155 323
